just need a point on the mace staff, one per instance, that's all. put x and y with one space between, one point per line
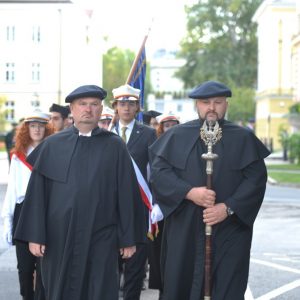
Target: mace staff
210 133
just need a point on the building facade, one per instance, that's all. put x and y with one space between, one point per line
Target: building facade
168 94
277 25
47 50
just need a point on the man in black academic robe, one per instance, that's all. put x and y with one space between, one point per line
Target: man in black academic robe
80 205
179 183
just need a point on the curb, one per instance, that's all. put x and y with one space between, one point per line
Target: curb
272 181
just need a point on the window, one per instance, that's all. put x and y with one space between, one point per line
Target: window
179 107
36 34
10 33
9 104
10 110
10 72
35 102
35 72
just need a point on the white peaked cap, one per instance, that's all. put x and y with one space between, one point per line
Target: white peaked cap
167 117
37 116
126 92
107 113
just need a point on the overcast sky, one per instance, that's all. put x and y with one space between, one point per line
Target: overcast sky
127 22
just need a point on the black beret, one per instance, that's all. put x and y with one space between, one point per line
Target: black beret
210 89
147 115
63 110
86 91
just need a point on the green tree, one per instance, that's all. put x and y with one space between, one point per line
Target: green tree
295 109
241 105
220 43
2 113
284 139
116 67
294 147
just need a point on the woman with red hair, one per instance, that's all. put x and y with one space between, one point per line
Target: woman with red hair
165 122
29 134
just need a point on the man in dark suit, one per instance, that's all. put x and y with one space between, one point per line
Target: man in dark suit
138 138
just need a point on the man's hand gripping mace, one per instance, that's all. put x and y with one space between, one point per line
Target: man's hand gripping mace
210 133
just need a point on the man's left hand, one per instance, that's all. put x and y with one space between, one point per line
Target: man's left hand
127 252
214 215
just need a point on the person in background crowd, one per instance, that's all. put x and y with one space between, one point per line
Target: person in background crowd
251 124
179 183
105 118
165 122
138 138
149 118
59 116
30 133
10 139
80 206
70 122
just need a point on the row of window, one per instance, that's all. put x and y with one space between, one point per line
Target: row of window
10 109
10 72
11 33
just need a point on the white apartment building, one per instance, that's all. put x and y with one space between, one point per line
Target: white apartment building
47 50
169 94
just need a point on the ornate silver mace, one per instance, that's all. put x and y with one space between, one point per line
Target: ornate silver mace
210 133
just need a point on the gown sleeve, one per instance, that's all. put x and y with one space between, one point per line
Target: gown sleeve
169 189
248 197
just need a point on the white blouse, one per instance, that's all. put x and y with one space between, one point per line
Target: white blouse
18 179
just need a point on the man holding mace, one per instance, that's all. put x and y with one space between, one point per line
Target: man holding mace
196 188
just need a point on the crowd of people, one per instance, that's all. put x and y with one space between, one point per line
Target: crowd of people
95 198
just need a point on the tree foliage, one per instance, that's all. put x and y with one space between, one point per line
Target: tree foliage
2 113
116 67
241 105
294 147
295 109
220 43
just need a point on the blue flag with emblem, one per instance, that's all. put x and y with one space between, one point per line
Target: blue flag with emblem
137 76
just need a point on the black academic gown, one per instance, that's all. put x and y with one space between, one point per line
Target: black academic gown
80 203
239 180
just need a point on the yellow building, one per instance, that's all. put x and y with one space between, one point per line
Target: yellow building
277 25
295 122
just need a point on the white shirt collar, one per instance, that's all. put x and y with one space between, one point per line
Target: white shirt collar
129 126
84 134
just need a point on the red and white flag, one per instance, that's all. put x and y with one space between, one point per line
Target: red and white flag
147 199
